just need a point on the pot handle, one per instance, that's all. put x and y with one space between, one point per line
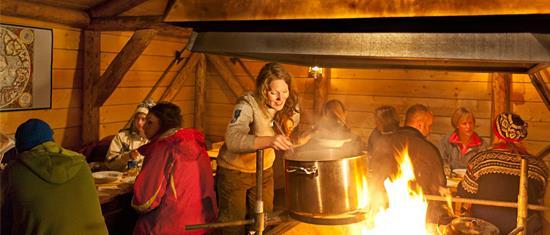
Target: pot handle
302 170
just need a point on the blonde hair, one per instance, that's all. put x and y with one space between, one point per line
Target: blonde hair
460 113
269 73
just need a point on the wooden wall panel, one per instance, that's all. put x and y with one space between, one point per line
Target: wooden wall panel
137 83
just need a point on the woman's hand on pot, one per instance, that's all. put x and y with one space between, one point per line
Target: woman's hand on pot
281 142
278 142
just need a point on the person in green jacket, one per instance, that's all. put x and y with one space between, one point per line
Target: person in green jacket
48 189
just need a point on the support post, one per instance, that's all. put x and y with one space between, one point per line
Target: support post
200 94
501 90
321 87
90 112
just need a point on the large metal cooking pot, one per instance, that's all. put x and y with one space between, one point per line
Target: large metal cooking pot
322 187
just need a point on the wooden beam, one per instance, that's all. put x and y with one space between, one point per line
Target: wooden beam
133 23
125 23
238 85
114 7
177 82
538 82
501 90
320 91
122 63
91 71
39 11
200 94
219 10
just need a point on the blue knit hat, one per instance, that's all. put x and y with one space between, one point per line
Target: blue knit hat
32 133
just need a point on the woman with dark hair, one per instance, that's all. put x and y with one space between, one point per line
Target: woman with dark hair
175 186
386 121
261 120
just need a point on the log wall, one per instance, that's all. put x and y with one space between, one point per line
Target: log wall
362 90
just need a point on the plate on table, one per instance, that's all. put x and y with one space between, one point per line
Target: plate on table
102 177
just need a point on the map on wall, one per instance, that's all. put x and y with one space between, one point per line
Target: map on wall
25 68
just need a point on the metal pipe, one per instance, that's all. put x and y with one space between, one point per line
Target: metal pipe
259 209
219 225
484 202
522 196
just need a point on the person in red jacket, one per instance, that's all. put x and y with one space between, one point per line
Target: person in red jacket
175 186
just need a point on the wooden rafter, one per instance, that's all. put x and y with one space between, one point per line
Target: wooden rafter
114 7
200 94
238 85
39 11
538 82
177 82
132 23
122 63
90 111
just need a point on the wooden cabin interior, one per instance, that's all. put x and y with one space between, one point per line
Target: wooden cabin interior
108 56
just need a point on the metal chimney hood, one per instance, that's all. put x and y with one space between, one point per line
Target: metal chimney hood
486 52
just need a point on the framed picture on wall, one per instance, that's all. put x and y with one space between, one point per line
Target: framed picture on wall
25 68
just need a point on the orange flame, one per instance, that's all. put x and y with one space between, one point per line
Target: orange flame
407 208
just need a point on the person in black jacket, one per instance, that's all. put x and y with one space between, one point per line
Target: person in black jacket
425 158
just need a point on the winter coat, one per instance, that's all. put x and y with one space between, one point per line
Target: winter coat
51 191
450 148
175 186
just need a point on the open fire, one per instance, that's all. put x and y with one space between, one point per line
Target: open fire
407 207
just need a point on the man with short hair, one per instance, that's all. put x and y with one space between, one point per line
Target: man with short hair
425 157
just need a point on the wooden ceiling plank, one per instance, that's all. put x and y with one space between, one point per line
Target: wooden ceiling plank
122 63
113 7
38 11
219 10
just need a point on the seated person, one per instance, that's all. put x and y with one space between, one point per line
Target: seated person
329 129
48 189
494 174
175 187
386 121
123 148
425 158
463 143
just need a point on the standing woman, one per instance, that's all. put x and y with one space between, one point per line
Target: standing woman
463 143
123 148
175 186
262 120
